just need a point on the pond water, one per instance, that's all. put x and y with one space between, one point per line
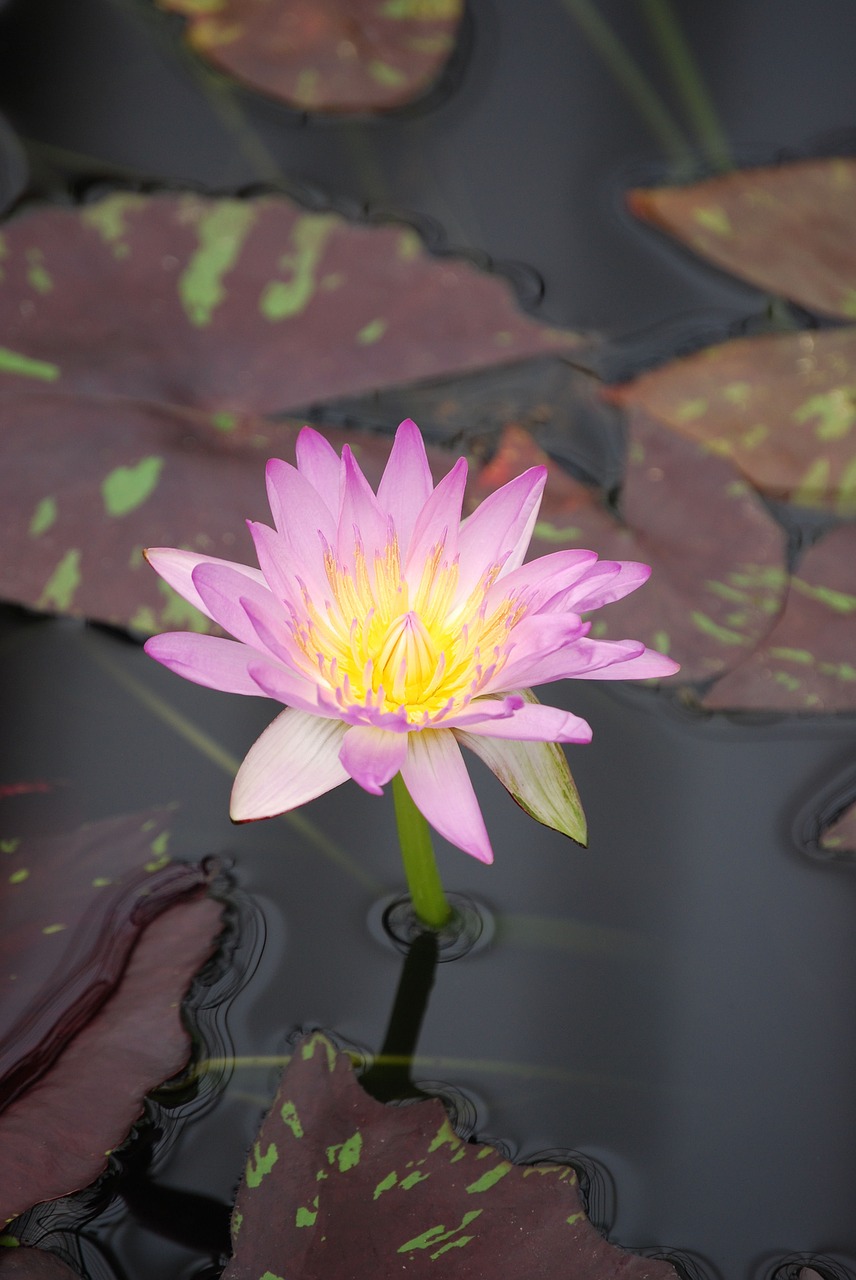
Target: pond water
671 1009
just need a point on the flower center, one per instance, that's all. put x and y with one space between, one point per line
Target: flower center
407 659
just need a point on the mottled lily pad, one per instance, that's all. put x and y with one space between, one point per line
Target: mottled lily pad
57 1137
787 229
326 55
144 337
840 835
72 909
782 407
32 1264
717 555
808 661
339 1185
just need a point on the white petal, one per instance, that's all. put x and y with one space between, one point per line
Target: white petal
294 760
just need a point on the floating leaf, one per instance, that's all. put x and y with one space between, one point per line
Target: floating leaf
808 661
133 378
718 557
32 1264
100 937
339 1185
57 1136
781 407
326 55
840 835
787 229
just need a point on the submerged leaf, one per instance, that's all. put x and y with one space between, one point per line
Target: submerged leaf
340 1186
808 661
781 407
787 229
327 55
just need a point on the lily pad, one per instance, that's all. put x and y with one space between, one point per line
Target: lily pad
781 407
840 835
57 1136
33 1264
145 338
808 661
339 1185
326 55
73 907
787 229
718 557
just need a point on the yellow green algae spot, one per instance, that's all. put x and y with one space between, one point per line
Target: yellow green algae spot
552 533
409 245
306 87
14 362
841 670
127 488
282 299
54 928
459 1155
445 1136
689 410
840 601
100 882
320 1042
490 1179
738 393
9 1242
43 517
178 613
781 677
237 1222
9 846
713 218
383 73
813 484
288 1113
503 338
412 1179
599 629
201 6
371 332
662 641
259 1165
306 1217
422 10
18 877
793 655
440 43
144 620
37 274
636 452
847 303
346 1154
754 436
435 1234
712 629
332 281
158 848
385 1184
575 1217
222 231
224 421
60 587
835 411
107 217
737 619
269 1275
846 488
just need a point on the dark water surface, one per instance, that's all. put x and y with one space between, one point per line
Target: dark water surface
673 1009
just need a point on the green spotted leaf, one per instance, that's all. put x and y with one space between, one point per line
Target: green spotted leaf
396 1185
326 55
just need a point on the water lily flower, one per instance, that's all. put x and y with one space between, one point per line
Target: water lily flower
395 632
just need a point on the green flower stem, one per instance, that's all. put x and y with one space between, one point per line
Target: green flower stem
420 866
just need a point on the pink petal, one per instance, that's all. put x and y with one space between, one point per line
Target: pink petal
531 722
288 686
373 756
542 637
500 529
361 517
439 520
542 580
591 660
537 776
207 660
319 462
302 517
279 568
294 760
483 711
406 483
647 665
436 777
221 588
607 581
176 567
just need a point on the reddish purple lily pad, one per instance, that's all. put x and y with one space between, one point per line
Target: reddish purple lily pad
781 407
32 1264
57 1136
787 229
145 337
339 1185
808 661
840 835
326 55
718 557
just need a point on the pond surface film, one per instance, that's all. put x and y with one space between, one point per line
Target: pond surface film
671 1009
